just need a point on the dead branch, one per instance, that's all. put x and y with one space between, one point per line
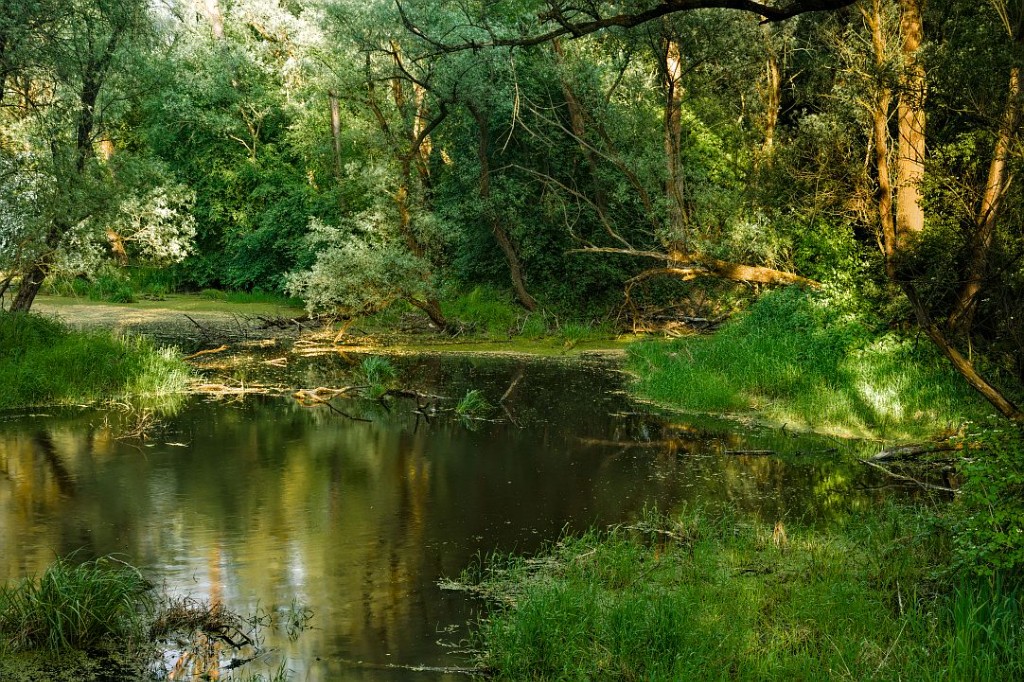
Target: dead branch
913 451
594 22
692 265
907 479
207 352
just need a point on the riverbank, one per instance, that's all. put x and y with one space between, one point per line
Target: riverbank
710 595
45 362
794 360
791 361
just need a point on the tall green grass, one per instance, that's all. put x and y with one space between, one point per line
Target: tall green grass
109 286
44 362
74 606
486 311
255 296
796 359
712 597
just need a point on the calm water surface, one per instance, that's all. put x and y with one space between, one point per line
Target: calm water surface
266 504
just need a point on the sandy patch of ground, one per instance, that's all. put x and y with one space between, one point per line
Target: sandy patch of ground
188 328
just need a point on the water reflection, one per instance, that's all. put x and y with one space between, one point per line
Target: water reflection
264 503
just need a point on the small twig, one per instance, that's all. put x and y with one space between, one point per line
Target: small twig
511 387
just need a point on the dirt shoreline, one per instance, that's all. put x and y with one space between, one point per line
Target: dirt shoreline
183 322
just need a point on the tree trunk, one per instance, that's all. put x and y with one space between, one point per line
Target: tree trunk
911 122
675 183
500 234
880 135
988 211
336 131
211 10
31 283
578 125
771 93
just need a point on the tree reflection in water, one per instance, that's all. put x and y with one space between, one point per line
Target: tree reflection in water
271 504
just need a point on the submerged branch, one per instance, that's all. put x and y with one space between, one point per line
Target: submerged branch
907 479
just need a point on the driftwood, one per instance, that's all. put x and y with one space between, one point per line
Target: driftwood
221 349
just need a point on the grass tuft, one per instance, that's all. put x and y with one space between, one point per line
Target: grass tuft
75 606
44 362
473 405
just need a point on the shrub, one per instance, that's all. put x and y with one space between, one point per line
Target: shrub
487 310
988 524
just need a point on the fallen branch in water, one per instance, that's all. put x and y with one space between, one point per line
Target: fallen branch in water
221 389
419 668
908 479
321 393
912 451
207 352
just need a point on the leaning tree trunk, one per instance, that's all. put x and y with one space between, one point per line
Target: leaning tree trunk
962 365
985 222
432 308
500 234
31 283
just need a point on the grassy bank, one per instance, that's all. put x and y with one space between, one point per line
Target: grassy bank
713 597
43 362
796 359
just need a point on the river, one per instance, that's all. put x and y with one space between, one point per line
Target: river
272 507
